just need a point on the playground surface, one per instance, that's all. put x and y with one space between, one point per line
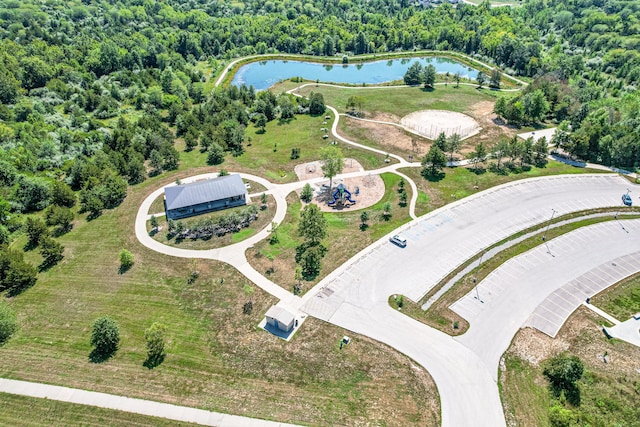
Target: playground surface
371 190
431 123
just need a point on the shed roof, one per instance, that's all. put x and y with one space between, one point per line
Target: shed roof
280 314
207 190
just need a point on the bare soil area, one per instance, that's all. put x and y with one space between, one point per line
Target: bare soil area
431 123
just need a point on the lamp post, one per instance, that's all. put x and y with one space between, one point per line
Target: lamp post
475 278
544 236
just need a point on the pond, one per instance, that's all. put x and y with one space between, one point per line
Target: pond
265 74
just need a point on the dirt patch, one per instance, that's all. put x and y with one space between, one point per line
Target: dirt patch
492 127
313 169
581 335
365 191
431 123
389 136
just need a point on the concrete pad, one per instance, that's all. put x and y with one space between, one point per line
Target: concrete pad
628 331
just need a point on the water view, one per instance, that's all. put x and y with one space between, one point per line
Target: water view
265 74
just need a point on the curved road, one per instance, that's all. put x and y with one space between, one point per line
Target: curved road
355 296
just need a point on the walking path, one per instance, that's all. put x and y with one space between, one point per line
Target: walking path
128 404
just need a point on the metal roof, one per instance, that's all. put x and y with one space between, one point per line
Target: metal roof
280 314
207 190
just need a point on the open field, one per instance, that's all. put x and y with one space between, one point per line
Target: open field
269 154
53 413
345 237
461 182
217 358
608 391
400 101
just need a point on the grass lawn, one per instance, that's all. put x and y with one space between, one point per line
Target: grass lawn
53 413
264 218
345 237
268 154
217 358
404 100
608 391
621 301
460 182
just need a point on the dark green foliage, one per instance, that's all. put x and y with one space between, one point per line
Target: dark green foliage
414 74
35 229
8 322
313 225
62 194
57 216
307 193
16 274
31 194
52 252
563 371
105 338
433 163
429 76
155 342
496 79
316 104
311 261
215 155
364 217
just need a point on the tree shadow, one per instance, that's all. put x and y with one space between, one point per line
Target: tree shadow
46 266
29 246
428 89
282 121
59 231
124 268
479 170
153 361
363 227
93 215
99 356
434 177
261 131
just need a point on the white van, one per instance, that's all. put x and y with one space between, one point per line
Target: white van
399 240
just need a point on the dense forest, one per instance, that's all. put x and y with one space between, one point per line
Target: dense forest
93 93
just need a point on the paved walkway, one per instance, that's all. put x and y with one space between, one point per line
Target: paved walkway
128 404
602 313
628 331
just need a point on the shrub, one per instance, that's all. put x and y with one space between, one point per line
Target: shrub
126 259
105 338
8 322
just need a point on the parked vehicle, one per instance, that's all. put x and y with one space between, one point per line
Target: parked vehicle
626 199
398 240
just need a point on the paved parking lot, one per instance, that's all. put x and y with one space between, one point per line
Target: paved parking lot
505 299
551 314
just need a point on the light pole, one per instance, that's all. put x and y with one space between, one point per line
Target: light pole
475 277
544 236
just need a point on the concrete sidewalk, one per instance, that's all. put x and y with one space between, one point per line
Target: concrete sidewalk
136 406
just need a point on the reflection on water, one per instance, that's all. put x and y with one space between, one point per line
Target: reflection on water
264 74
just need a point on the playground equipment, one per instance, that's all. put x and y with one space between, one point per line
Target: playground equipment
341 195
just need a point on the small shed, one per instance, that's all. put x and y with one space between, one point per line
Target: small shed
184 200
280 318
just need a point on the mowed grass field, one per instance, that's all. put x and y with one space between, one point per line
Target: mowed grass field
217 357
400 101
47 412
